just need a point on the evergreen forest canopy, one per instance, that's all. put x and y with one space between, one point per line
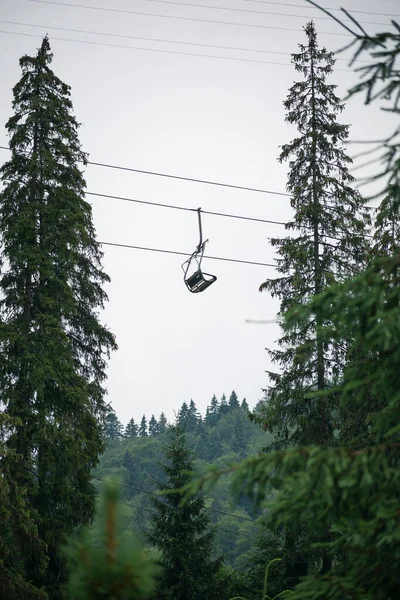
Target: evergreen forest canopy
310 477
224 435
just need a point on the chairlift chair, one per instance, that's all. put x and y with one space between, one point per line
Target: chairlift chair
198 281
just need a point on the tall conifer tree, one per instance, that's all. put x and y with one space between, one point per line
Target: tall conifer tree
233 400
153 426
353 492
162 423
143 427
327 244
113 428
182 533
193 418
212 412
53 346
131 429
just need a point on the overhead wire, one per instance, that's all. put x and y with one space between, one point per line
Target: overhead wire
256 12
191 179
166 41
158 50
181 178
139 489
175 252
184 208
233 260
364 12
179 18
219 527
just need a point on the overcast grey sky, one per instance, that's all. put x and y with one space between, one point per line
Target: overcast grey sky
207 118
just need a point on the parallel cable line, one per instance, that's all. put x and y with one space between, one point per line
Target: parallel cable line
233 260
217 525
157 50
132 487
179 18
166 41
204 212
257 12
364 12
182 178
191 179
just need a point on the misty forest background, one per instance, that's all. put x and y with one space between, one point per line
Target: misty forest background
297 498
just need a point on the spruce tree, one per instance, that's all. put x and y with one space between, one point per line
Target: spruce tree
162 423
113 428
244 405
223 406
327 244
182 532
193 418
233 400
212 412
153 426
131 429
355 418
54 348
183 415
143 427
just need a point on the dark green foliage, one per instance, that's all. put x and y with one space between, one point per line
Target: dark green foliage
239 441
223 406
143 427
189 417
194 417
327 245
351 490
131 430
106 561
387 225
213 445
212 412
233 401
182 533
18 530
53 346
132 469
136 461
244 406
267 546
162 423
113 428
183 415
153 426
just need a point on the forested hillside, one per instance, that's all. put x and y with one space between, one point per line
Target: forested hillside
223 435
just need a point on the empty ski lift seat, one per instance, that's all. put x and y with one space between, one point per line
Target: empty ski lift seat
199 281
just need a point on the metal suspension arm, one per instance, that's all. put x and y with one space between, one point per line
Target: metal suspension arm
199 247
